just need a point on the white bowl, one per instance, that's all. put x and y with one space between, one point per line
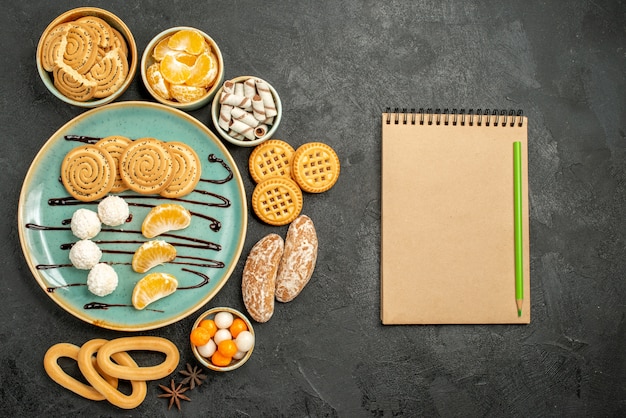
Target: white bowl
147 60
215 115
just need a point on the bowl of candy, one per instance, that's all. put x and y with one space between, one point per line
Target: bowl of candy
246 111
182 67
222 339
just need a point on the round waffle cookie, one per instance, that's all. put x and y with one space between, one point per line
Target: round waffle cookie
277 200
115 146
270 159
146 166
187 169
87 172
315 167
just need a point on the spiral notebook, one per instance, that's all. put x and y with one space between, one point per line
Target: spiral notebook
447 217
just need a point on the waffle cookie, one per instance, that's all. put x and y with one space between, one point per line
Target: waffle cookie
270 159
315 167
186 170
146 166
88 173
277 200
115 146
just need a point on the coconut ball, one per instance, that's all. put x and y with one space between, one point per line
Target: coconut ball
113 210
85 224
102 279
85 254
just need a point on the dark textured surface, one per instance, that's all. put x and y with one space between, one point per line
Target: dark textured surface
336 67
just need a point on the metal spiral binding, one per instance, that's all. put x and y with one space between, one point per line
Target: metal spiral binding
479 117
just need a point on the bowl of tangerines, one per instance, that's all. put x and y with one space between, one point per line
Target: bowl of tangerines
182 67
222 339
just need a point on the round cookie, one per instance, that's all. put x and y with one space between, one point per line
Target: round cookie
187 169
315 167
270 159
88 172
115 146
146 166
277 200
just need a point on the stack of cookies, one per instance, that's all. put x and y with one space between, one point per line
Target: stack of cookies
87 57
115 164
282 173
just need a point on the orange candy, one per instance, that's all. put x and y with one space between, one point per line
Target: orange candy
237 326
209 324
220 360
227 348
200 336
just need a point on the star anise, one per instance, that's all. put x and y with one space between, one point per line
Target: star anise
175 393
193 376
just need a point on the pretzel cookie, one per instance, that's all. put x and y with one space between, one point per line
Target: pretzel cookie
186 170
146 166
277 200
315 167
270 159
88 172
115 146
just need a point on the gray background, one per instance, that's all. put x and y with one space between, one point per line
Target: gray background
336 67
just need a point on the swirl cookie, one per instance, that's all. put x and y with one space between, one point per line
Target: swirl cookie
109 73
146 166
270 159
115 146
277 200
87 172
186 170
315 167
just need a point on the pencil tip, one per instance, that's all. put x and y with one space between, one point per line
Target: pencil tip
519 312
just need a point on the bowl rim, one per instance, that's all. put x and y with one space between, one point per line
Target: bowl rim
207 363
147 55
113 20
215 114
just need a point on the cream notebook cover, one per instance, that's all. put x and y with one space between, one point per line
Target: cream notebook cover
447 218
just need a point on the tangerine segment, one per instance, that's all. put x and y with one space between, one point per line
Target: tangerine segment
151 254
173 70
185 94
163 218
153 287
162 49
204 71
157 82
187 40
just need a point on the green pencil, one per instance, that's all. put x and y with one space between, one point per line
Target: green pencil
517 191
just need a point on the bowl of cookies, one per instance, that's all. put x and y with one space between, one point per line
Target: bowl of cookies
246 111
222 339
87 57
182 67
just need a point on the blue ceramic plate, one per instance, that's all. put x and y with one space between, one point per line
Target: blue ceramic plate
207 250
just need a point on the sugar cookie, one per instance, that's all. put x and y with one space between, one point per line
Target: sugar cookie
270 159
315 167
277 200
88 172
146 166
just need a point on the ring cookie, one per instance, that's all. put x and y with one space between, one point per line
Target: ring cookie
146 166
115 146
298 260
277 200
187 169
270 159
258 281
315 167
88 172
